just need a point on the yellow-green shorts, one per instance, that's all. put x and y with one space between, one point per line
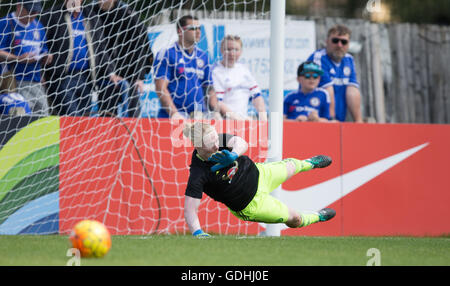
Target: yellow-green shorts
264 207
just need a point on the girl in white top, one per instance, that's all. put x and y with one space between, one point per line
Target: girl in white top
234 84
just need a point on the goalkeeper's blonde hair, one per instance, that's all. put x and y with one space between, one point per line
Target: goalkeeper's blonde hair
195 132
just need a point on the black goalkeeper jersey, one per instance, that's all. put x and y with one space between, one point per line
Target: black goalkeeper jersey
235 185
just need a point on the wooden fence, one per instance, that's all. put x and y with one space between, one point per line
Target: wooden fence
403 69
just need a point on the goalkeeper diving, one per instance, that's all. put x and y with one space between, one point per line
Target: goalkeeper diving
220 170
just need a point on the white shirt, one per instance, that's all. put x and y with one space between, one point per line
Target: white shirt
235 86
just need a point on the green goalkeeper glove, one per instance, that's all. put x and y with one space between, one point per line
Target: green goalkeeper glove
200 234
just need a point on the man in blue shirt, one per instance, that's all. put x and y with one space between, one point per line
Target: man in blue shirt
22 46
339 70
309 103
182 72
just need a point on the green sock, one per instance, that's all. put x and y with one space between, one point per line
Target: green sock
301 165
308 219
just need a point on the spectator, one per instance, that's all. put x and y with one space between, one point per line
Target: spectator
234 84
127 41
13 104
309 103
23 48
82 66
182 72
340 71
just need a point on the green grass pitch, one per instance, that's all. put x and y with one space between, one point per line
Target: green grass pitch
184 250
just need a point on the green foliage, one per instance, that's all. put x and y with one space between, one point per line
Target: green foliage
421 11
150 8
414 11
6 6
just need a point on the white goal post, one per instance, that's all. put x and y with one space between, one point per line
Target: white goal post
277 18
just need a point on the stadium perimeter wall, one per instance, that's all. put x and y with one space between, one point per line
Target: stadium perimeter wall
386 179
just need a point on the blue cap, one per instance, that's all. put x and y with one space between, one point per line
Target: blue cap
309 67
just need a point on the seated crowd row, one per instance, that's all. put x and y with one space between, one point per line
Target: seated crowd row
57 63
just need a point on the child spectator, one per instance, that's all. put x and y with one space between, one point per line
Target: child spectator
308 103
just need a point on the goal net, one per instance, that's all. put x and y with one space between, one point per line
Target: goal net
80 136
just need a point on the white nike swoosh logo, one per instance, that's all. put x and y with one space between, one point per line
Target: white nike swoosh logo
324 194
319 196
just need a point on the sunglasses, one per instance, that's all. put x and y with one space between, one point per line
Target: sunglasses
337 40
309 75
232 38
191 28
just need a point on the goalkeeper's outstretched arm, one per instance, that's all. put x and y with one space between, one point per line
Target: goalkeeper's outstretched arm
191 216
190 213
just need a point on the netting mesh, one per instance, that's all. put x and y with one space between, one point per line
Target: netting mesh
79 133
